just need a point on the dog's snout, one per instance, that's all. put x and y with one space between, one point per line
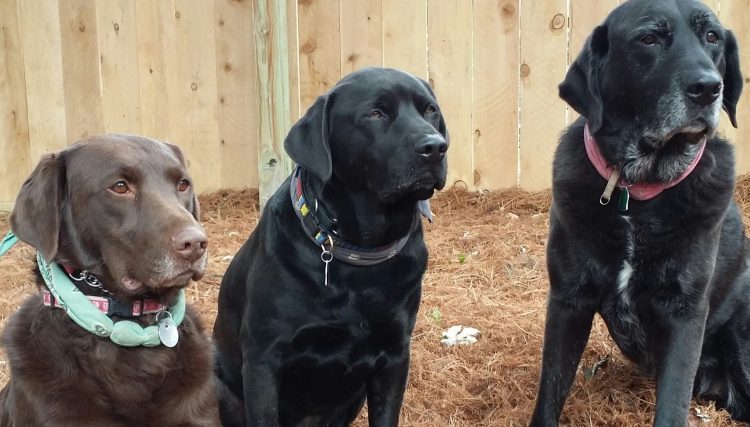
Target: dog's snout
705 88
190 243
432 147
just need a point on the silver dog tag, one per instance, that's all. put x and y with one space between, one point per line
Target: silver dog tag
168 334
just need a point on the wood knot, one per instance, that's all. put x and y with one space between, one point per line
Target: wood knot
177 15
525 70
507 9
194 86
558 21
116 26
309 47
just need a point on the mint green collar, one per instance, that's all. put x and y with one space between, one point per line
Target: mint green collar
124 332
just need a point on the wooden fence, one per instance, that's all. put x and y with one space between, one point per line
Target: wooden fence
224 79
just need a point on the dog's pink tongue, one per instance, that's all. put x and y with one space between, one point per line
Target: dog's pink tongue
130 284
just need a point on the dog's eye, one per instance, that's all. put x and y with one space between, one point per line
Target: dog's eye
649 39
183 185
431 109
377 114
120 187
712 37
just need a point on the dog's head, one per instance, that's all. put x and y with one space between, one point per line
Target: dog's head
656 72
119 206
378 131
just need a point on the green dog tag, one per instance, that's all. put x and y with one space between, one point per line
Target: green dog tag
622 203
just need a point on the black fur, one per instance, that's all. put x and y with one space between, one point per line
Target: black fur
291 350
669 276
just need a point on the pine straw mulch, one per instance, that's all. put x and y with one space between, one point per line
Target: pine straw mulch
486 270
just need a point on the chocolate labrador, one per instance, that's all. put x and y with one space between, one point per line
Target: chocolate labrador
317 308
119 215
643 228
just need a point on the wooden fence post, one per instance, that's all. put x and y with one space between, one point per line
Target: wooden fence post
272 61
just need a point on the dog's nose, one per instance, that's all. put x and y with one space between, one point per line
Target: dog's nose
190 243
432 147
705 89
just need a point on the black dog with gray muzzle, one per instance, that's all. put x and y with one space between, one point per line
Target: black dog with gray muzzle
667 266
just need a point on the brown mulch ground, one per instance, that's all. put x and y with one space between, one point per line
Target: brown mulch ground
486 270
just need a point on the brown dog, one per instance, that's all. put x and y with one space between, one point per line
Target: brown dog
120 209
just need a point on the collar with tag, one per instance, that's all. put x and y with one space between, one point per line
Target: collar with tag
639 191
341 249
88 315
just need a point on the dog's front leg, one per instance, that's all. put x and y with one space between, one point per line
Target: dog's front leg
678 366
385 392
261 393
565 335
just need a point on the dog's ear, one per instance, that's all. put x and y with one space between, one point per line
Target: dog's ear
195 208
307 142
732 78
36 216
581 87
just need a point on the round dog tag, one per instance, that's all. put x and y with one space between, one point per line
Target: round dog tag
168 334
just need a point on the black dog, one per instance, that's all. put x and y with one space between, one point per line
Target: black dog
666 263
302 341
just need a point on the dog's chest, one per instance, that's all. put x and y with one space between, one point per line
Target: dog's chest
626 306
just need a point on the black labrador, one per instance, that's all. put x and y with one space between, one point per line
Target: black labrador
665 263
304 342
118 212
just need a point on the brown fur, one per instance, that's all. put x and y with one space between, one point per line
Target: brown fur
63 375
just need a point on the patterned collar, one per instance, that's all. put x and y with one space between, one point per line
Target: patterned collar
340 249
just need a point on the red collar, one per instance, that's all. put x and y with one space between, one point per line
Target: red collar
639 191
90 286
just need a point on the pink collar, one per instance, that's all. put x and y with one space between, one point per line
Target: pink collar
643 191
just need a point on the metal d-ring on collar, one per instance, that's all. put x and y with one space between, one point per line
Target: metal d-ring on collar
337 248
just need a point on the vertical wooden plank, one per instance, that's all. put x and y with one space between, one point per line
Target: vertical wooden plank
735 15
155 43
45 93
449 65
293 55
14 130
495 82
585 15
118 56
272 59
543 64
361 34
320 48
81 78
192 91
405 21
236 79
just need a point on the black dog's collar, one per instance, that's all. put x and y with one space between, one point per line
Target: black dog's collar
340 249
90 286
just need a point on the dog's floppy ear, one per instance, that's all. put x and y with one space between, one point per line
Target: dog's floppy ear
732 78
307 141
195 208
580 89
36 216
